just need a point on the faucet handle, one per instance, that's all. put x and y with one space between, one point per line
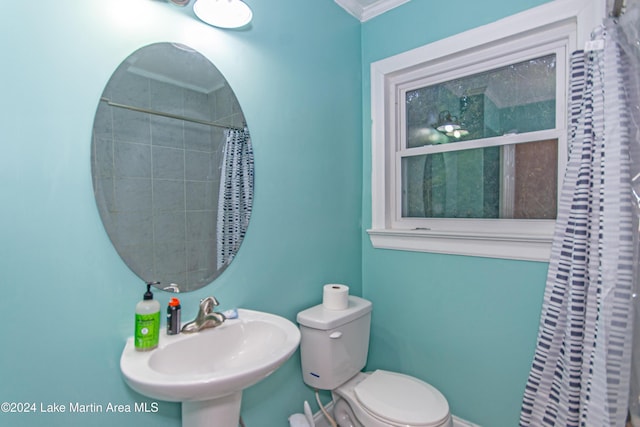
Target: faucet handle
210 300
207 305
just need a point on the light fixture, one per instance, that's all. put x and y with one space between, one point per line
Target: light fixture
223 13
449 125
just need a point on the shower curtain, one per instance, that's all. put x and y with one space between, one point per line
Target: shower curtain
580 375
235 198
629 40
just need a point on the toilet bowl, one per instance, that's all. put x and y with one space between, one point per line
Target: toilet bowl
385 399
334 347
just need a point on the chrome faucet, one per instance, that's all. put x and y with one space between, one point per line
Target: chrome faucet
172 288
206 318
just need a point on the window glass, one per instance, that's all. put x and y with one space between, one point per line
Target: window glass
517 98
516 181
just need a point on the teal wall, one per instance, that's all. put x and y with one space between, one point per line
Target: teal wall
467 325
67 298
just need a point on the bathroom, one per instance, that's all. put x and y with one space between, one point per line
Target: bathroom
465 324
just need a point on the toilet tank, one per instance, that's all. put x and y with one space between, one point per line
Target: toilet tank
334 343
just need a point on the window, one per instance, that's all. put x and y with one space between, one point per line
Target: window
469 137
469 165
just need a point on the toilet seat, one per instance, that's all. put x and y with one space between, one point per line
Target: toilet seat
401 399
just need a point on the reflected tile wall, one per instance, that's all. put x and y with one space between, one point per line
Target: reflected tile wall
165 176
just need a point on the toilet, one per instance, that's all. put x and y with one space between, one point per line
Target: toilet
334 346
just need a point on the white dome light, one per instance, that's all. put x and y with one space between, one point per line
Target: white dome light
223 13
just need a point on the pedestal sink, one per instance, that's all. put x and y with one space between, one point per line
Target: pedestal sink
208 370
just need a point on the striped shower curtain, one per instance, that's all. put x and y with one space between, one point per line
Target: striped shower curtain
235 198
580 374
629 40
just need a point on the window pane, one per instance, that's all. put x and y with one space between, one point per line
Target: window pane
511 181
517 98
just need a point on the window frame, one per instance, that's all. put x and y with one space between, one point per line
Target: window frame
556 27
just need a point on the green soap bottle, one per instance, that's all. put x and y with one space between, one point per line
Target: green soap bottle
147 322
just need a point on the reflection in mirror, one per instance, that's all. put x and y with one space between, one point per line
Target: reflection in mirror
172 167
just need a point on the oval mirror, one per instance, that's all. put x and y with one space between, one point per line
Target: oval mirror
172 167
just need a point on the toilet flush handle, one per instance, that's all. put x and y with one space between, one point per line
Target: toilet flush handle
336 334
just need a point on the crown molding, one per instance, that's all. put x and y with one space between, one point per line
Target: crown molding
363 12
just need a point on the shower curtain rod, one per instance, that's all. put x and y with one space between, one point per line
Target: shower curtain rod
169 115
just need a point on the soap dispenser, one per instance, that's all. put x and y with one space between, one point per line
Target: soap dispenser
147 331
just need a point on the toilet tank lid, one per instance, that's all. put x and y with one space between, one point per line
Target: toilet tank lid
318 317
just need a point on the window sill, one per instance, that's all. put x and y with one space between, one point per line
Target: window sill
510 246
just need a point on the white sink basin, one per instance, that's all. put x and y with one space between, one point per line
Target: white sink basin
212 366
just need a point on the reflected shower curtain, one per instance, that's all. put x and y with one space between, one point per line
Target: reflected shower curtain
580 375
235 198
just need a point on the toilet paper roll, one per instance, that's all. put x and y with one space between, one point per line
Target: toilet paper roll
335 296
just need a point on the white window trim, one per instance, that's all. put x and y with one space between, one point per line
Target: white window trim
570 21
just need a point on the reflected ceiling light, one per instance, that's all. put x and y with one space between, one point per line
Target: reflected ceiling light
458 133
446 122
450 126
223 13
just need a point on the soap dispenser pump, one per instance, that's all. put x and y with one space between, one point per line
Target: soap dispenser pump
147 330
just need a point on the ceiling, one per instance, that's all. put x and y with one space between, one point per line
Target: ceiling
367 9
